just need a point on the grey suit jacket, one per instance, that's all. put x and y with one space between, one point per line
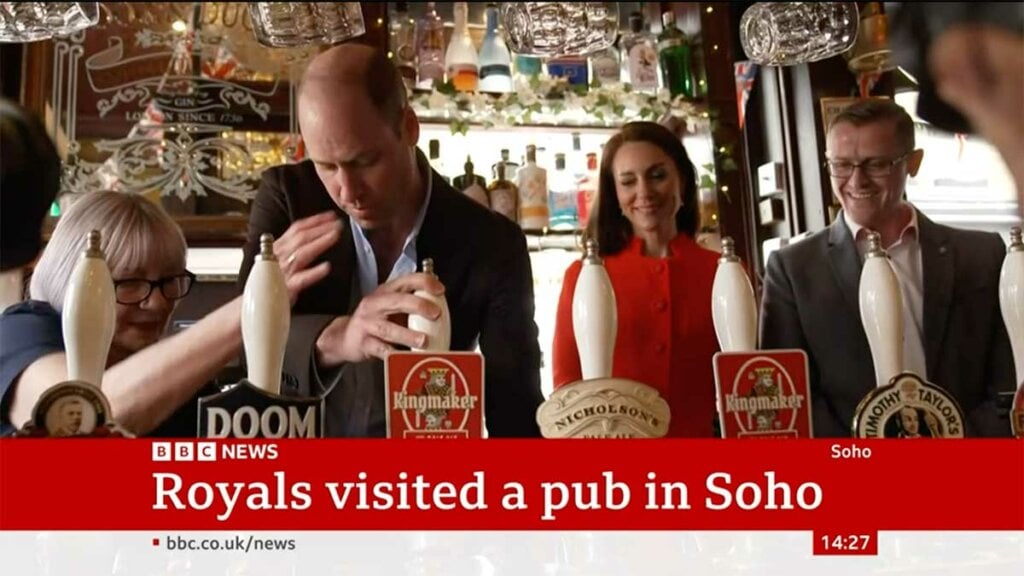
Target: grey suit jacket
480 257
810 301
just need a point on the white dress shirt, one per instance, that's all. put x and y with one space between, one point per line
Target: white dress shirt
905 255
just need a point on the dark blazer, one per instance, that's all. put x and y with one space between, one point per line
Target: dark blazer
479 256
810 301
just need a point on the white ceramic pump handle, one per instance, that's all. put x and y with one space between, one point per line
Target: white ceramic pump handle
266 319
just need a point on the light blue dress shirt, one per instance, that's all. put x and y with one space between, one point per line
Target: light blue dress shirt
407 260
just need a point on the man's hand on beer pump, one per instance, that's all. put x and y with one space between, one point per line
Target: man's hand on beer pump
379 322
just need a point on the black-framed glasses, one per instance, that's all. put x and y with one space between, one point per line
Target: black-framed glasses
136 290
875 167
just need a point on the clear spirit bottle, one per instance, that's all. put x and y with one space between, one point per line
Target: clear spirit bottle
640 56
562 197
495 60
430 49
402 43
606 67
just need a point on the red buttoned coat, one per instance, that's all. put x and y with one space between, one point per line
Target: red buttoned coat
666 337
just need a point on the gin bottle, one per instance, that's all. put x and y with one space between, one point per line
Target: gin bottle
675 57
533 193
562 197
495 60
640 56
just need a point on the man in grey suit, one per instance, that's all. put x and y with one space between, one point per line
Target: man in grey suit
954 332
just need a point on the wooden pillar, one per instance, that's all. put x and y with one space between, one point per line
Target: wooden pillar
735 197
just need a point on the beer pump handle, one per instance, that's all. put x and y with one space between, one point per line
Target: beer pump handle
594 316
881 311
88 316
733 306
1011 298
439 332
266 319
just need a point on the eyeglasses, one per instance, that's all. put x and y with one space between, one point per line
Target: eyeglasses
875 167
136 290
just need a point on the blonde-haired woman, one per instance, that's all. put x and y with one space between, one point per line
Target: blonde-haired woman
147 379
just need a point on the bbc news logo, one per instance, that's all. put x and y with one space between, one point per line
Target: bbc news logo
184 451
209 451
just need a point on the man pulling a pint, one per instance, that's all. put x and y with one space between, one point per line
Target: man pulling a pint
367 202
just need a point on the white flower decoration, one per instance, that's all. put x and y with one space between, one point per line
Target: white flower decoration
547 100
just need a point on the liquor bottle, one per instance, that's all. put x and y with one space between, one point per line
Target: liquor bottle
430 49
690 27
88 315
640 56
881 311
733 308
572 68
495 60
472 185
266 319
402 43
504 194
606 67
511 168
439 332
533 193
587 190
461 60
436 163
576 161
674 55
594 316
528 66
562 197
700 74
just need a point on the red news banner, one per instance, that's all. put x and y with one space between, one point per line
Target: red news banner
835 488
